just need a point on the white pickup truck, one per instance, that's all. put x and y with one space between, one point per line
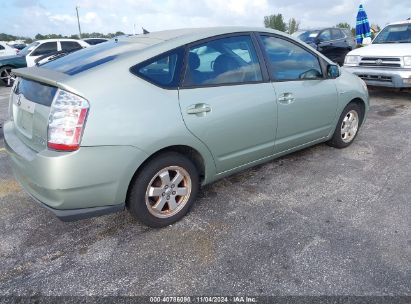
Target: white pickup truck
387 61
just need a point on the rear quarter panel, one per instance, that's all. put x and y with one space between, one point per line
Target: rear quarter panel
128 111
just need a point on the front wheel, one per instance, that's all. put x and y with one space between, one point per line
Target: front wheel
347 127
164 190
6 76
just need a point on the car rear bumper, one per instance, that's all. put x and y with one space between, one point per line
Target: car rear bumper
73 185
400 78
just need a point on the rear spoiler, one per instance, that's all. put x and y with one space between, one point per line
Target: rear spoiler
40 74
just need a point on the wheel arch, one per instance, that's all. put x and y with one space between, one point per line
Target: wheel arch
361 103
191 153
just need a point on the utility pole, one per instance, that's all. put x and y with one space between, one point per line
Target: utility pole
78 22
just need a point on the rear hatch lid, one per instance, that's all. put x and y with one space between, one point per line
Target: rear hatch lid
31 103
31 99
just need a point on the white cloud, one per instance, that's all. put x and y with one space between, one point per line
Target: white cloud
44 16
66 19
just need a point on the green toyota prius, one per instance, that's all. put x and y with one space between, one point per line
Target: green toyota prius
142 122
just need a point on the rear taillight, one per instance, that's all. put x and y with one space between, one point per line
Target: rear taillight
66 121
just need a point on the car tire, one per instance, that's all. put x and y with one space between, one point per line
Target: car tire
348 126
5 76
153 196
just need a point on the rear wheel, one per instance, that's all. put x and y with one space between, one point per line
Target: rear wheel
164 190
6 76
347 127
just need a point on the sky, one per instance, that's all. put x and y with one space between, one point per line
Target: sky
29 17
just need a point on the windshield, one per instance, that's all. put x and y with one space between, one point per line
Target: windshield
398 33
28 48
307 36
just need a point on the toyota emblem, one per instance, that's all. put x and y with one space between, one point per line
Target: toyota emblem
378 61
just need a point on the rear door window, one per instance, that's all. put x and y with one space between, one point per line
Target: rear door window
95 41
45 48
70 45
336 34
230 60
163 70
325 36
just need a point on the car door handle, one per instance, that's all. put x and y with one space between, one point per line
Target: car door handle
198 109
286 98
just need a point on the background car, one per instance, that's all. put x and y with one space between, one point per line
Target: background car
8 63
94 41
6 50
188 107
387 61
32 52
48 46
18 46
334 43
53 56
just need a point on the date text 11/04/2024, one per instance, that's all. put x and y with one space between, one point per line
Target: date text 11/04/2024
205 299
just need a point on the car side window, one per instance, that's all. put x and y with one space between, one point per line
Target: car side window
163 70
45 48
95 41
2 47
70 45
336 34
288 61
230 60
325 35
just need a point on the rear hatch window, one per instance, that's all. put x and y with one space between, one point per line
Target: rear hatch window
90 57
84 59
31 103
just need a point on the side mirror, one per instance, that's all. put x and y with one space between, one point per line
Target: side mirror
317 40
333 71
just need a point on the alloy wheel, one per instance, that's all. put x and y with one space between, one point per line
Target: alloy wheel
349 126
168 192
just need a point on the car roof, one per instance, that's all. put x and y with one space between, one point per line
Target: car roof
195 33
95 38
5 44
319 29
56 39
400 22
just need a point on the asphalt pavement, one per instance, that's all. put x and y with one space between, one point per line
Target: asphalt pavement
320 221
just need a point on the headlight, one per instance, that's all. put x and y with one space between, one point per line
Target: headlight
352 60
407 61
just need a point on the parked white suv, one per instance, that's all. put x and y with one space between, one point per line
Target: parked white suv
387 61
48 46
6 50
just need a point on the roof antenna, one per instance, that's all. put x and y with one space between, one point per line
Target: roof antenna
145 32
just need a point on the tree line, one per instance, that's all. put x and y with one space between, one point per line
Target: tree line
7 37
75 36
277 22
